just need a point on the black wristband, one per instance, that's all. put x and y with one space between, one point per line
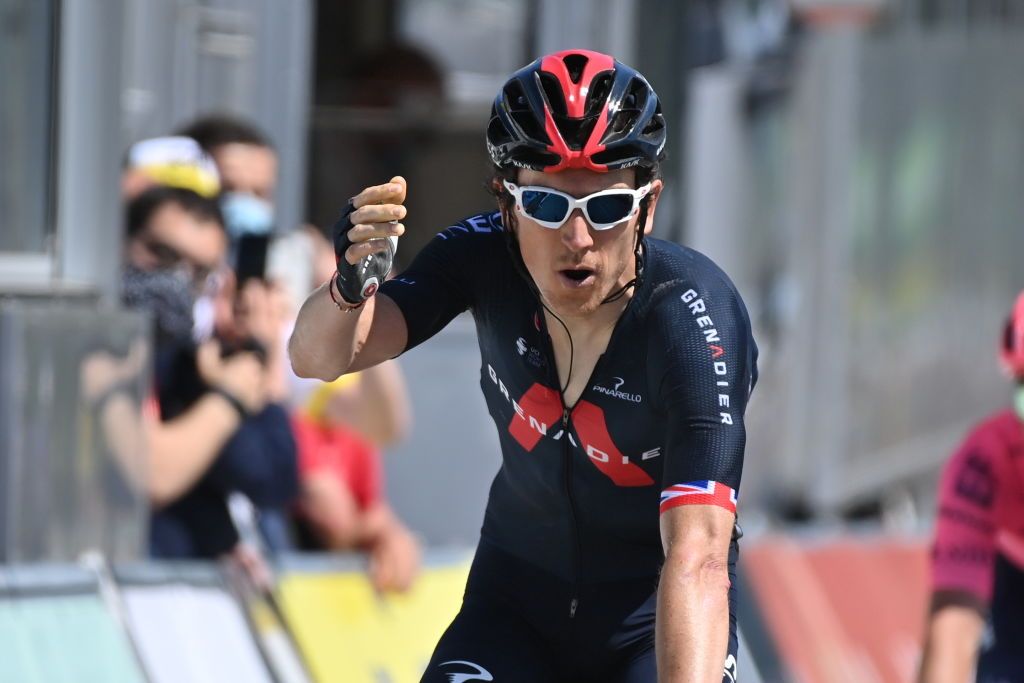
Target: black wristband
235 402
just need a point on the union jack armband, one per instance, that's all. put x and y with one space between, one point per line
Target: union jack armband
704 492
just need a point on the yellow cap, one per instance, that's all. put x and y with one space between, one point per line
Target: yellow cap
176 162
316 405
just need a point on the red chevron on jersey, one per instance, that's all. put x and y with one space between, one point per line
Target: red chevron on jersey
699 493
591 427
538 409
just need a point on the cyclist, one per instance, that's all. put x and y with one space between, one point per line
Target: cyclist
978 553
616 368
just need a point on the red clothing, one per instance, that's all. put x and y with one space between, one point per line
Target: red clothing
343 452
981 508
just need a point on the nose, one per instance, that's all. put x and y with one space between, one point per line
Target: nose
576 232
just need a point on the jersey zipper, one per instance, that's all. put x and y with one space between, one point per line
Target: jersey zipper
576 545
574 603
577 558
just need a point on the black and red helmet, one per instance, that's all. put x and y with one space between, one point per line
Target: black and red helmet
1011 353
576 109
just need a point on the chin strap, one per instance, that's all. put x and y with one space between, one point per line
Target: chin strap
639 254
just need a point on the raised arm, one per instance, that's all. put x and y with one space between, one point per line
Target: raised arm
328 341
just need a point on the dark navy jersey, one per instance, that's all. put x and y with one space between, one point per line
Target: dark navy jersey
660 423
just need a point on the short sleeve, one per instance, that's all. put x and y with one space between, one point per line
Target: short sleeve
443 279
963 551
707 362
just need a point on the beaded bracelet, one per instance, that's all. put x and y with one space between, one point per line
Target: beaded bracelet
340 301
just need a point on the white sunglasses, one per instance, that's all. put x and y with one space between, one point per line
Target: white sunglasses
551 208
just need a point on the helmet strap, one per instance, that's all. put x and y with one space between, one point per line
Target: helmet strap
638 254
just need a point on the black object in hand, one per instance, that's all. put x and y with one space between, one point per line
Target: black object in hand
357 283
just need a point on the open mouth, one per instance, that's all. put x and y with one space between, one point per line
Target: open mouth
577 277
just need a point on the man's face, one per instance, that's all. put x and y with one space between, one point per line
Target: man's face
556 259
176 238
247 169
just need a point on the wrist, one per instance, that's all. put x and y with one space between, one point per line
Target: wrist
231 399
339 298
123 388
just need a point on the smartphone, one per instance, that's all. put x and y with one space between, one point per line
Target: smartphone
251 259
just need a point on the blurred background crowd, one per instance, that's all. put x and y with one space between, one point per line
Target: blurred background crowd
169 173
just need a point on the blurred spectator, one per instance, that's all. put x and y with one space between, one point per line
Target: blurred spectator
216 433
247 164
978 554
342 503
179 162
171 162
340 428
172 232
244 156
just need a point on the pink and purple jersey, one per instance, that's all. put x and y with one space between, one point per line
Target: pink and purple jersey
979 537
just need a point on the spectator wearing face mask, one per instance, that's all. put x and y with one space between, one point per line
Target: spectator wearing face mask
247 164
340 428
179 162
215 432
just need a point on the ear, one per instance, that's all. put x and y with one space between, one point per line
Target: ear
652 204
506 205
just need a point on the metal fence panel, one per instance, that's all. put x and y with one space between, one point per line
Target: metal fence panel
63 485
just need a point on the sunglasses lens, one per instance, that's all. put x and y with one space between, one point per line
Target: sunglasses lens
610 208
545 206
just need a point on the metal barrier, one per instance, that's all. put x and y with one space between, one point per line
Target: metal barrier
55 627
64 487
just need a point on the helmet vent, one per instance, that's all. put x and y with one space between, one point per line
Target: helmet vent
515 97
656 124
597 94
615 156
520 112
553 94
575 63
496 132
537 159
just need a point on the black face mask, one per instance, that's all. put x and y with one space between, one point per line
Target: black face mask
167 294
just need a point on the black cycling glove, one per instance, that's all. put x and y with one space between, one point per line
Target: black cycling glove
357 283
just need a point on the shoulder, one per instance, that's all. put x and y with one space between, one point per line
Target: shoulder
684 279
994 435
978 483
670 263
477 226
471 241
978 463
